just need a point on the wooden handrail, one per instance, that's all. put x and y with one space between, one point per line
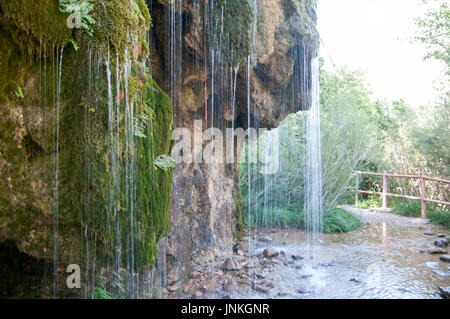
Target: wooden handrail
385 194
445 181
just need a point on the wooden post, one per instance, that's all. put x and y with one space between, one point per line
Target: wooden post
385 190
422 196
356 191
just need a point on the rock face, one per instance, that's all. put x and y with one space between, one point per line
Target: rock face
68 146
231 64
247 62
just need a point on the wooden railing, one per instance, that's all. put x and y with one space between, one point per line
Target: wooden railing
385 193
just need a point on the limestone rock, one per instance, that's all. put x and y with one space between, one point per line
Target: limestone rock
230 264
442 242
270 252
445 292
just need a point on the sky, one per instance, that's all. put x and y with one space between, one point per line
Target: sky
374 36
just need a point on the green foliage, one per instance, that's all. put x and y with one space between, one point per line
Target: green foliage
413 208
114 290
140 123
339 221
433 30
82 9
372 201
440 217
164 162
74 44
19 93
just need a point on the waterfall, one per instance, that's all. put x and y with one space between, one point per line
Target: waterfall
313 214
59 58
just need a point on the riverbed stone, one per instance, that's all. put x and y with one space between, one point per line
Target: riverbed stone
270 252
434 251
441 236
445 258
429 233
445 292
230 264
442 273
432 264
297 257
265 239
442 242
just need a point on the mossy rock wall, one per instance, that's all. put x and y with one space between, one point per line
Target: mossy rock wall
56 164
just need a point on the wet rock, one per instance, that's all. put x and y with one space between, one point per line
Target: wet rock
444 292
434 251
198 294
432 264
270 252
429 233
230 264
442 242
355 280
242 245
230 285
303 291
445 258
174 288
261 290
442 273
297 257
265 239
441 236
248 265
196 275
259 275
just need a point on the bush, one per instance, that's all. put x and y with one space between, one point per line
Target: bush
339 221
440 217
334 220
435 214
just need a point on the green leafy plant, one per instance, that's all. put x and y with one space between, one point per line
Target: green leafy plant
164 162
75 46
115 290
19 93
140 124
82 9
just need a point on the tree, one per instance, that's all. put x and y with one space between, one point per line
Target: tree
433 30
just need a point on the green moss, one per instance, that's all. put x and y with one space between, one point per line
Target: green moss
237 29
85 167
29 21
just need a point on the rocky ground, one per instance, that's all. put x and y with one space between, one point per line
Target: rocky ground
275 263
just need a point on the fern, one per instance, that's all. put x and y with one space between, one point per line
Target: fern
140 124
101 290
81 8
164 162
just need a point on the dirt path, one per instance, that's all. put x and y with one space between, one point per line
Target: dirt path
376 216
